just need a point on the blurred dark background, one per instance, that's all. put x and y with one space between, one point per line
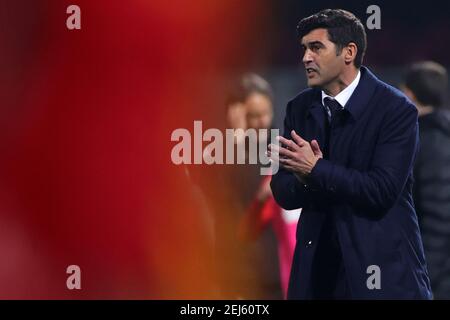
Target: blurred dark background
410 32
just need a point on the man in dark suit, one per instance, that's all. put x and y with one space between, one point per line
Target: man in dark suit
346 158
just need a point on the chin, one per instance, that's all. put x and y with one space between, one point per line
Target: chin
313 84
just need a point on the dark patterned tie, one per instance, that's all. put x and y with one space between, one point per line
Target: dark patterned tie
333 106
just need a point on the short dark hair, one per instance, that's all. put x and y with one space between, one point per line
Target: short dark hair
343 27
246 85
428 81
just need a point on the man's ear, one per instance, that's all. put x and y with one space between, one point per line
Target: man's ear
350 52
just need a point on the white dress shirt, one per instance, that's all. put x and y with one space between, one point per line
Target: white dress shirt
343 96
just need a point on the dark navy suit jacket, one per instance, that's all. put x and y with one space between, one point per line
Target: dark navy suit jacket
366 184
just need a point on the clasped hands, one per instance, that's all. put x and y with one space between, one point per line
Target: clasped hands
297 155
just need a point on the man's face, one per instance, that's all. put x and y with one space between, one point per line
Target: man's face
259 111
321 63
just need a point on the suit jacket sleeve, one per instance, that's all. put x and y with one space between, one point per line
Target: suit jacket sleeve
379 187
287 190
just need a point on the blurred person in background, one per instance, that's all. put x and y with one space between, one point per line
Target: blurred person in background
248 269
263 211
426 84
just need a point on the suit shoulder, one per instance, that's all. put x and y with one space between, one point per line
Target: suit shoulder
304 95
303 99
395 100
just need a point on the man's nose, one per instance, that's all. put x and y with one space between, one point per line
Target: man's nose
307 57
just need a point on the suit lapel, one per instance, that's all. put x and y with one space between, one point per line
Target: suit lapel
317 120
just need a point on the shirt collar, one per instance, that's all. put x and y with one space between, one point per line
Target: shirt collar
343 96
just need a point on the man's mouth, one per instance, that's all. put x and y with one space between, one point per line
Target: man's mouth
310 72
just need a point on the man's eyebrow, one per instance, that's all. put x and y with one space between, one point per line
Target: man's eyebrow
312 43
